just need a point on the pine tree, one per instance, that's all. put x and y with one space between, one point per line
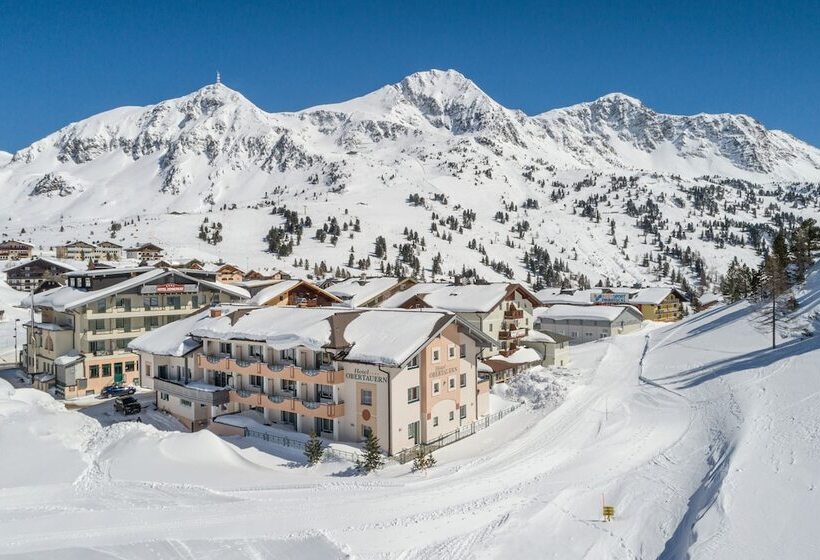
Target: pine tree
774 283
314 449
372 458
423 459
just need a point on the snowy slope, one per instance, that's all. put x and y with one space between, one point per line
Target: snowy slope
704 440
160 171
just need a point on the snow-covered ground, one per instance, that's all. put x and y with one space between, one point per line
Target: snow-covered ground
705 440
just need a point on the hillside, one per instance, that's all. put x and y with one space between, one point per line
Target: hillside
575 182
703 438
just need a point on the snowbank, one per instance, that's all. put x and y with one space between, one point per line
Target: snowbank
539 387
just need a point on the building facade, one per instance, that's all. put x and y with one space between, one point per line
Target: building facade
410 387
13 250
98 313
38 273
659 304
588 323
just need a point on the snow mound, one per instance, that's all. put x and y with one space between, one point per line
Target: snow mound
539 387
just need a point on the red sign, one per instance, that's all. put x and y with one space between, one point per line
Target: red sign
170 288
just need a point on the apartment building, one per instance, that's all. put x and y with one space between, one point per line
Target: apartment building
40 273
84 251
82 338
406 376
587 323
13 250
289 292
659 304
144 252
503 311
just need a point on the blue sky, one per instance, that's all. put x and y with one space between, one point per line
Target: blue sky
63 61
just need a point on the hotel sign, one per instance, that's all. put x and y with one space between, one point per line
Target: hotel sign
168 288
610 299
365 375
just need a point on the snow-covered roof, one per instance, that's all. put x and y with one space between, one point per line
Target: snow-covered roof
399 298
69 265
113 271
173 339
67 297
653 296
379 336
562 312
520 356
68 358
273 291
47 326
578 297
471 298
537 336
357 291
280 327
710 297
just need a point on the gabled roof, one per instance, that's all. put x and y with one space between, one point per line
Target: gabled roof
475 298
654 296
359 291
66 297
79 244
14 242
68 266
281 287
109 244
145 247
562 312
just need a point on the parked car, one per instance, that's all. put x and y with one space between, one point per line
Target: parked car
127 405
118 391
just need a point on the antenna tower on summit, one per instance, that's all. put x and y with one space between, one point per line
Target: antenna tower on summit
218 77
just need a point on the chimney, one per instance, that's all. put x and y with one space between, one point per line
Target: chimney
216 312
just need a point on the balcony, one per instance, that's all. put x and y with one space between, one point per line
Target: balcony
511 334
514 314
198 394
286 402
324 376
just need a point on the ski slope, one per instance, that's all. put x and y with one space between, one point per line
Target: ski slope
705 440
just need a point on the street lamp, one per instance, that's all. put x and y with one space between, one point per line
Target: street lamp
16 355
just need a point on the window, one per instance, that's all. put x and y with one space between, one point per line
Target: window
452 382
462 412
367 431
326 425
88 282
289 385
124 303
132 366
462 380
462 350
93 371
225 348
413 394
324 392
97 325
123 324
150 301
255 351
122 343
412 430
436 355
174 302
367 397
435 421
151 323
163 396
256 380
436 388
452 415
106 370
451 352
414 363
490 327
185 402
194 301
148 370
101 306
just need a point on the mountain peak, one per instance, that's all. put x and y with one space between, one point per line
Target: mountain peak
619 98
441 85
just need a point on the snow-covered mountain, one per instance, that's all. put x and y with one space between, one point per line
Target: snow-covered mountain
435 134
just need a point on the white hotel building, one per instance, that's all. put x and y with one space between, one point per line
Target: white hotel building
408 376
